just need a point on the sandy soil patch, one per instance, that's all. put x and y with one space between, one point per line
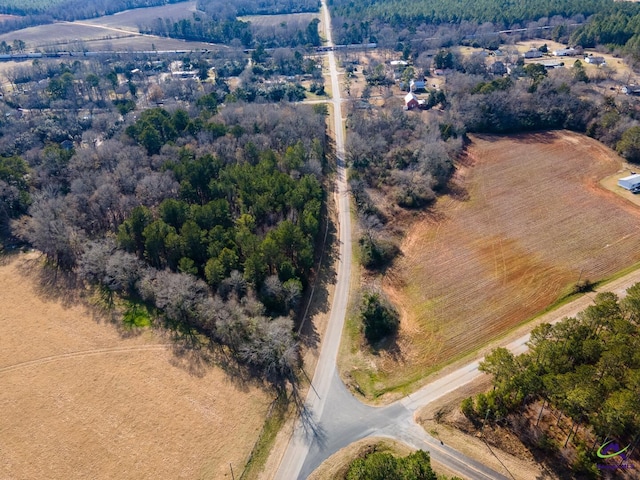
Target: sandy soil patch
80 400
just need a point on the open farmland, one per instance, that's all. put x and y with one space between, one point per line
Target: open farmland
79 400
276 20
111 32
527 221
132 19
80 35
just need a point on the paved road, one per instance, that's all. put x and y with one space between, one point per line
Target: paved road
325 372
334 418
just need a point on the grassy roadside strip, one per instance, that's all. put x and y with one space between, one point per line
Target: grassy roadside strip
277 414
362 380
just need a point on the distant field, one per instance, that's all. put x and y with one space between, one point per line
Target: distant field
119 31
7 17
529 221
275 20
79 401
64 36
131 19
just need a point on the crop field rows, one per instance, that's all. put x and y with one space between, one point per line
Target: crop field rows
534 222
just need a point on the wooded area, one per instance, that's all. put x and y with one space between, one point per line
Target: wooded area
585 367
210 218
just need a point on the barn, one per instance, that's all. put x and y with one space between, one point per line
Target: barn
410 101
630 182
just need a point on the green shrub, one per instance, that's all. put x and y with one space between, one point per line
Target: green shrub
384 466
380 319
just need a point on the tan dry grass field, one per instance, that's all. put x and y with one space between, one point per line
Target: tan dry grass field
118 31
132 19
527 221
80 400
275 20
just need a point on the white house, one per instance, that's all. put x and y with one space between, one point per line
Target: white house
564 52
630 182
595 60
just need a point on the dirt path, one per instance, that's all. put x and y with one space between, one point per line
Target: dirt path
86 353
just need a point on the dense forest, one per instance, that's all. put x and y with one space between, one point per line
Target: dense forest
293 33
405 159
75 9
619 28
372 21
218 22
206 218
586 367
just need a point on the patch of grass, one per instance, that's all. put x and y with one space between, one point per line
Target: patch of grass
275 419
136 315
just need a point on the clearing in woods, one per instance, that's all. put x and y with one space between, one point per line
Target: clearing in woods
277 20
526 219
79 400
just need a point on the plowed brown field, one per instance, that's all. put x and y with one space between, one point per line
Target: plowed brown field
80 401
529 219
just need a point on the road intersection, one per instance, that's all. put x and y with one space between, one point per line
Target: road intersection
333 417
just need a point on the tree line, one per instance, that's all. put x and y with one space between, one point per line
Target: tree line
216 29
210 217
615 27
363 20
585 367
75 9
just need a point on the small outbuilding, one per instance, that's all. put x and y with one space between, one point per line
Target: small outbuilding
630 182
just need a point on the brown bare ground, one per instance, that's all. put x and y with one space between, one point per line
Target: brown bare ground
526 219
79 399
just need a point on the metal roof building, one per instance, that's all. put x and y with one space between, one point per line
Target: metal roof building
630 182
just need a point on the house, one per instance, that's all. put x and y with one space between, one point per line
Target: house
565 52
630 182
533 53
595 60
550 64
416 85
410 101
498 68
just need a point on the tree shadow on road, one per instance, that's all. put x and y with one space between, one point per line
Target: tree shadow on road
316 302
